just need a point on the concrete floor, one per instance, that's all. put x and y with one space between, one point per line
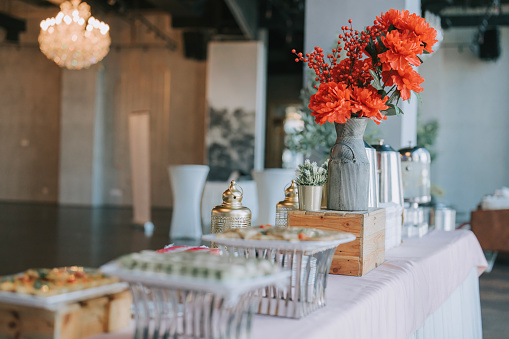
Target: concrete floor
494 288
45 235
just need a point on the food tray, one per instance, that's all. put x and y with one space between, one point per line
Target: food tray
54 302
184 307
309 262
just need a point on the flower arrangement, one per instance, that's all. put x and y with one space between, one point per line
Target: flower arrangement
310 174
377 71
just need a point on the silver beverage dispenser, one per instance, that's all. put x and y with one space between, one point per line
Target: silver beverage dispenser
373 182
389 174
415 167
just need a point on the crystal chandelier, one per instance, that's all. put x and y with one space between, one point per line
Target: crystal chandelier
74 39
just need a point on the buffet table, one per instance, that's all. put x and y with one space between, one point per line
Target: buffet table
427 288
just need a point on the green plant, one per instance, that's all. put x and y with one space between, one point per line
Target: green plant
312 139
310 174
426 136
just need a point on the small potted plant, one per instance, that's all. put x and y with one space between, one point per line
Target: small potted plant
310 180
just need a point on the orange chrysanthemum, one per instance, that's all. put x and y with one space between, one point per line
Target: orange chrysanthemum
331 103
368 103
391 17
421 28
405 21
402 49
406 80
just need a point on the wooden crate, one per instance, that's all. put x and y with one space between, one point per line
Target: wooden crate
359 256
491 227
72 321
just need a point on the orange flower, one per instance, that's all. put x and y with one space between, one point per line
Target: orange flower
331 103
406 79
402 49
368 103
391 17
420 28
404 21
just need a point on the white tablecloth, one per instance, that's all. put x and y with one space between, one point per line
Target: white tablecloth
394 300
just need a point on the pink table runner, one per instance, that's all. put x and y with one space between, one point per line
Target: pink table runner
393 300
390 302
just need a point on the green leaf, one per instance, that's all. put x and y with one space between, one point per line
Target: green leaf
382 93
425 52
418 95
393 110
419 59
376 80
370 48
381 44
394 97
390 111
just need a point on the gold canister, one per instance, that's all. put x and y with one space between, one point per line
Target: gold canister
290 203
231 213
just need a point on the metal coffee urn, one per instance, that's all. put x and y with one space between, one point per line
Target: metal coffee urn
389 174
415 167
373 182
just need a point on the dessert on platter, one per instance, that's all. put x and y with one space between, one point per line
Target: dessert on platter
46 282
266 232
198 265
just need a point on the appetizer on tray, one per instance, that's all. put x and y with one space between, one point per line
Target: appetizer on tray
266 232
46 282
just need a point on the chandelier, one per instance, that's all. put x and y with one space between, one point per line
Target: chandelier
74 39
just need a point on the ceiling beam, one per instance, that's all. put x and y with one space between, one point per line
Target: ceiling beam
473 20
245 13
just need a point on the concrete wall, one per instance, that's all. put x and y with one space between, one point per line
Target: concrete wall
470 100
30 100
29 125
172 88
134 77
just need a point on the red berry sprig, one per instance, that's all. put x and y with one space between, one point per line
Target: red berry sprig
352 70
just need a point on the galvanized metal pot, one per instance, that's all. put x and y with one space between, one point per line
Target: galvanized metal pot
310 197
348 177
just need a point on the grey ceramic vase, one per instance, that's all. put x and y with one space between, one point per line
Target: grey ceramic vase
348 177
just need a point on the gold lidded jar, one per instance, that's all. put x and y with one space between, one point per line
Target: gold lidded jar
290 203
230 214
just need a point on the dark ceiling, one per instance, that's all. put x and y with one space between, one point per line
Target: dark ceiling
206 20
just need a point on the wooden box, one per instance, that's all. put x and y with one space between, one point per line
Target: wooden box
491 227
359 256
73 321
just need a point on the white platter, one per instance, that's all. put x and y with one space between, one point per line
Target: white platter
281 244
54 302
230 289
